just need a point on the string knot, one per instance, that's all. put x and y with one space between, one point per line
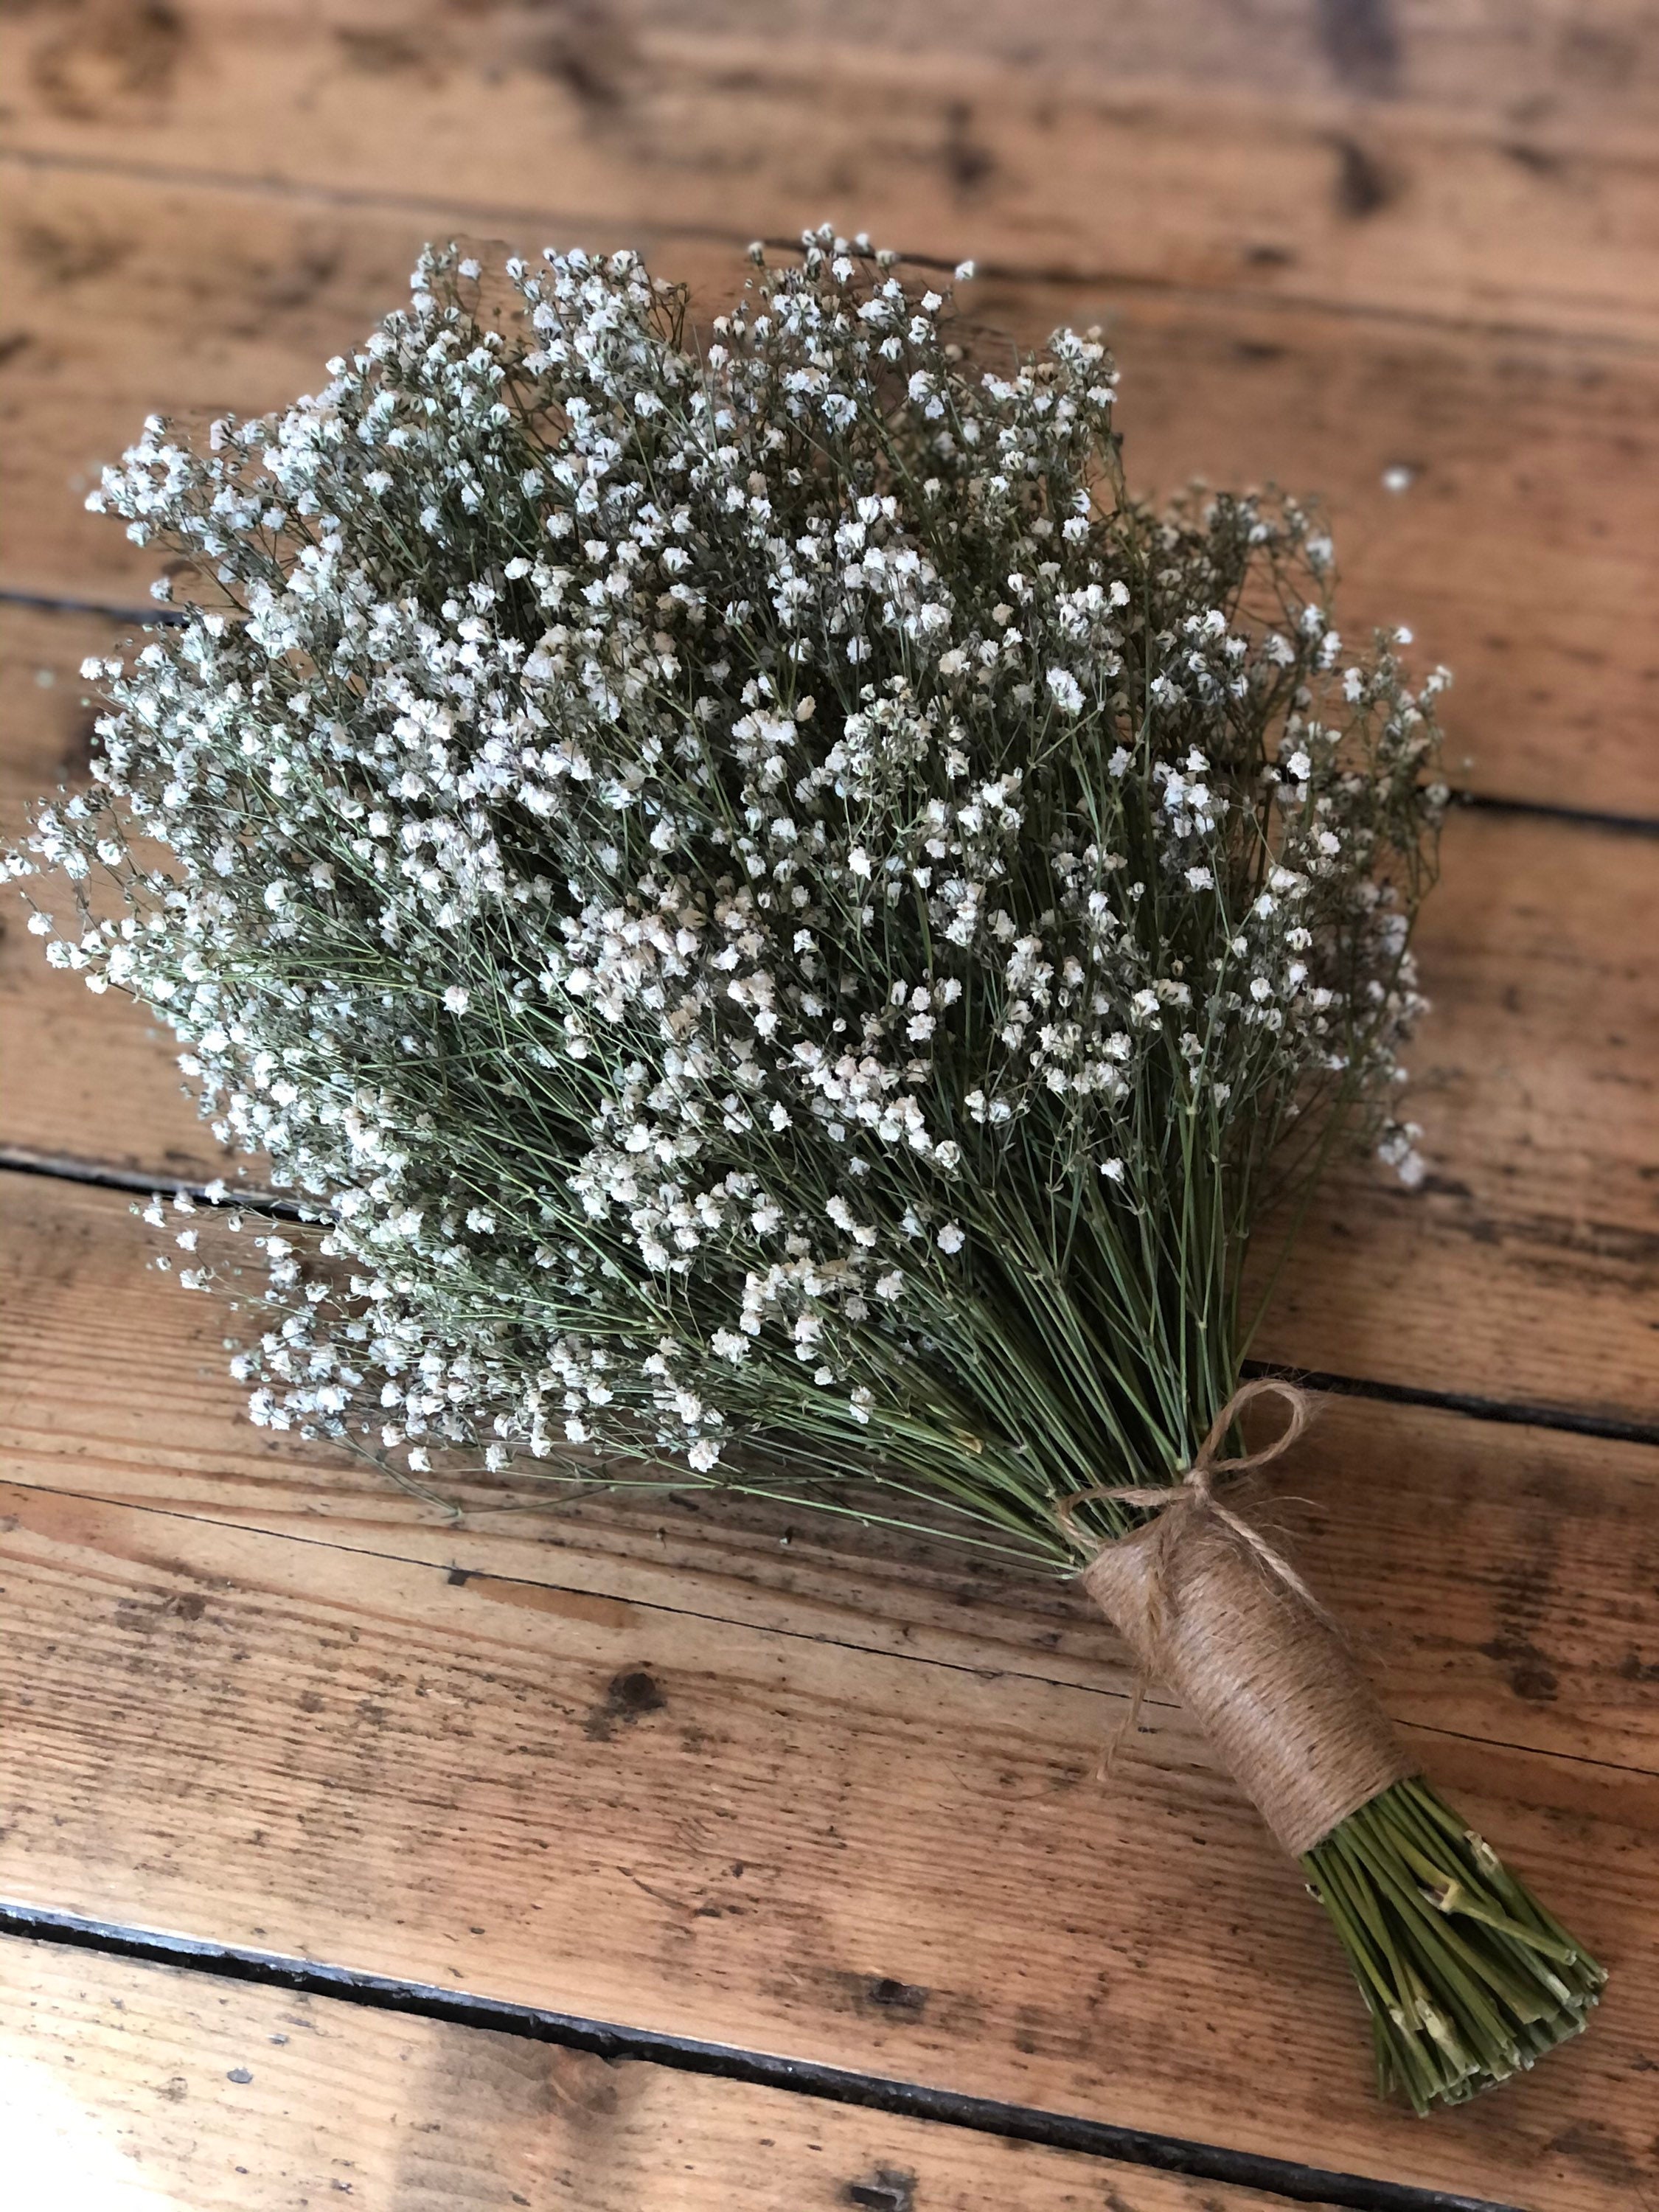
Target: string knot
1194 1489
1200 1480
1180 1506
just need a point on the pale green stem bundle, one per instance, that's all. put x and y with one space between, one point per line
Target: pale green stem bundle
1467 1978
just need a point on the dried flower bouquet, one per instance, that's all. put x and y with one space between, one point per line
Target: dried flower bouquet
779 924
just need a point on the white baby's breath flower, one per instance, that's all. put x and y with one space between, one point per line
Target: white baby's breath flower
626 888
1065 690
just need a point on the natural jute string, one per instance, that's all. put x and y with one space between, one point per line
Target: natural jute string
1208 1605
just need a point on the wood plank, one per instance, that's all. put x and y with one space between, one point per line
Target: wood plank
1408 208
1523 551
1550 1310
763 1840
129 2087
1485 1632
76 1088
1574 69
1525 1268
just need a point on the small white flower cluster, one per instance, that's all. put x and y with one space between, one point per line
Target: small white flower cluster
749 887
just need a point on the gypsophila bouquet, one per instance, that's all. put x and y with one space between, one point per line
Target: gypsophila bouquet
782 928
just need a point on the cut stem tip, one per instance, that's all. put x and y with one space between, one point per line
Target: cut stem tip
1467 1978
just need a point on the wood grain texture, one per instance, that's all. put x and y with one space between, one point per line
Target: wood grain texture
1424 209
769 1840
1521 551
1572 67
1526 1269
788 1725
734 1771
1485 1632
1561 72
129 2087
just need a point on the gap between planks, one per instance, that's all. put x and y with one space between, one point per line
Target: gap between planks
1376 203
155 1980
1470 1640
886 1869
124 299
1015 277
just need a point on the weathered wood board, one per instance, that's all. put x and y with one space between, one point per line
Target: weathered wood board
729 1770
731 1788
1556 73
133 2087
1520 550
1451 212
764 1839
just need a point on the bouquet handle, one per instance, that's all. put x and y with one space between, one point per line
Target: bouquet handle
1467 1978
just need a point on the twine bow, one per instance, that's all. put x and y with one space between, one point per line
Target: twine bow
1182 1506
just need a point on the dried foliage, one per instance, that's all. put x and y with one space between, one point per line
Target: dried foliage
776 916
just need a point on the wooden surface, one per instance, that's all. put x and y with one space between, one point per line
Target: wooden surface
697 1769
231 2098
647 1813
1522 550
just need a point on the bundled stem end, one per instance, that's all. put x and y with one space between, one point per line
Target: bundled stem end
1467 1978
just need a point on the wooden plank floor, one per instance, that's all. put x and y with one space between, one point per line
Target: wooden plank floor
257 2099
694 1774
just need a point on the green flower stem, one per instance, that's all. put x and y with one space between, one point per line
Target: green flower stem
1467 1978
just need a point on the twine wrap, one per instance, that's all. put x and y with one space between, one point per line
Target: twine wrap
1209 1605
